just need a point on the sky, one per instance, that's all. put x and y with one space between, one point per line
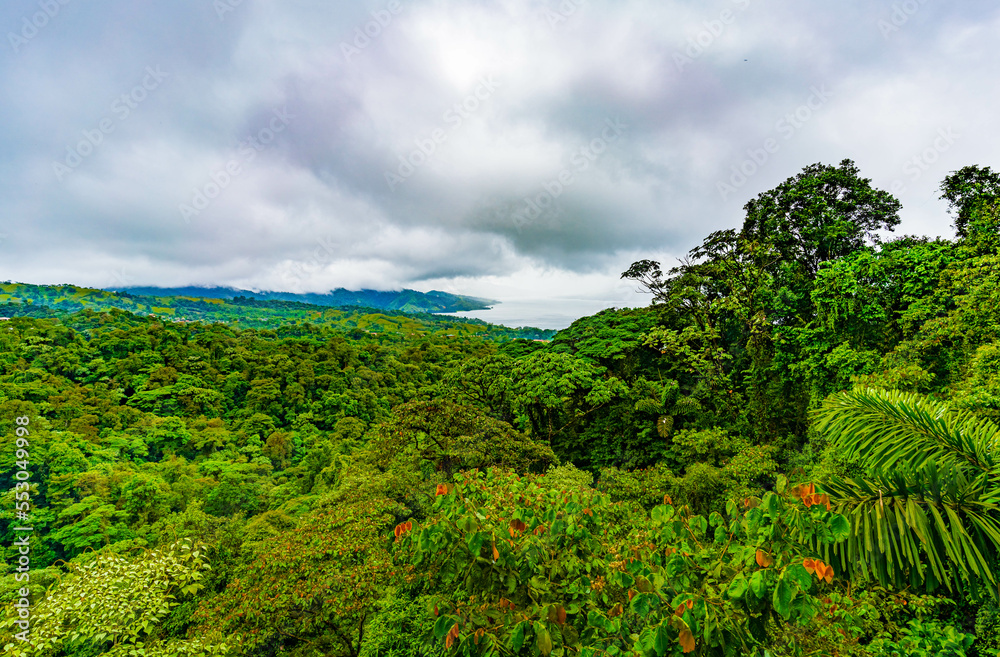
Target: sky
526 151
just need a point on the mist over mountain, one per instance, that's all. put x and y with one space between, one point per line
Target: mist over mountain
404 300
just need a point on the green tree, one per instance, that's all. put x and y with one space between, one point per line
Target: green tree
312 588
968 189
453 436
822 213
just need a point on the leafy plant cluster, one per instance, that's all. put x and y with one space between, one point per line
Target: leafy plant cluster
792 451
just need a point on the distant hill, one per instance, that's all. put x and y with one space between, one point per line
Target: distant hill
20 299
409 301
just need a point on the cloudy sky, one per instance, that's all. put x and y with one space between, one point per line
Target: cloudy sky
522 150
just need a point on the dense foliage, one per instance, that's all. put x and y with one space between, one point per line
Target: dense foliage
792 451
403 314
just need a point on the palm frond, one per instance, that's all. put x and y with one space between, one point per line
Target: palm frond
930 527
894 431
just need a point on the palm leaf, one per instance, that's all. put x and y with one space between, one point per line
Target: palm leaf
895 431
932 526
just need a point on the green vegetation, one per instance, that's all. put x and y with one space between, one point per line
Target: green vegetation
791 452
409 301
21 300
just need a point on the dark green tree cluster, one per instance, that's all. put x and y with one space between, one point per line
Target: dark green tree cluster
791 451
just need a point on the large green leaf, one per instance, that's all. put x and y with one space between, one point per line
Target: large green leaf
930 512
782 598
935 526
895 431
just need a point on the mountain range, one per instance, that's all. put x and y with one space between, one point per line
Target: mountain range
400 313
405 300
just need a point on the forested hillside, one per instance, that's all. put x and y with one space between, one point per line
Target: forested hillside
202 302
54 301
791 451
404 300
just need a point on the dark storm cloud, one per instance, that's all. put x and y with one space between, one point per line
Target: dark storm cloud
311 145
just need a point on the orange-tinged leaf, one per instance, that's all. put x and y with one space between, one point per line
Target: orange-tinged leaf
631 594
810 565
803 491
764 560
518 525
588 512
402 528
615 611
667 500
561 616
496 554
442 489
686 639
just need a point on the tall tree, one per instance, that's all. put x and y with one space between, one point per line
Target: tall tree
822 213
968 188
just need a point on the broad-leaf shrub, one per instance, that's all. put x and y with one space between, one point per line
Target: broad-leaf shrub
114 603
518 567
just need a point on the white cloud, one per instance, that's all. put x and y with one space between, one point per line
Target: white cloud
452 223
